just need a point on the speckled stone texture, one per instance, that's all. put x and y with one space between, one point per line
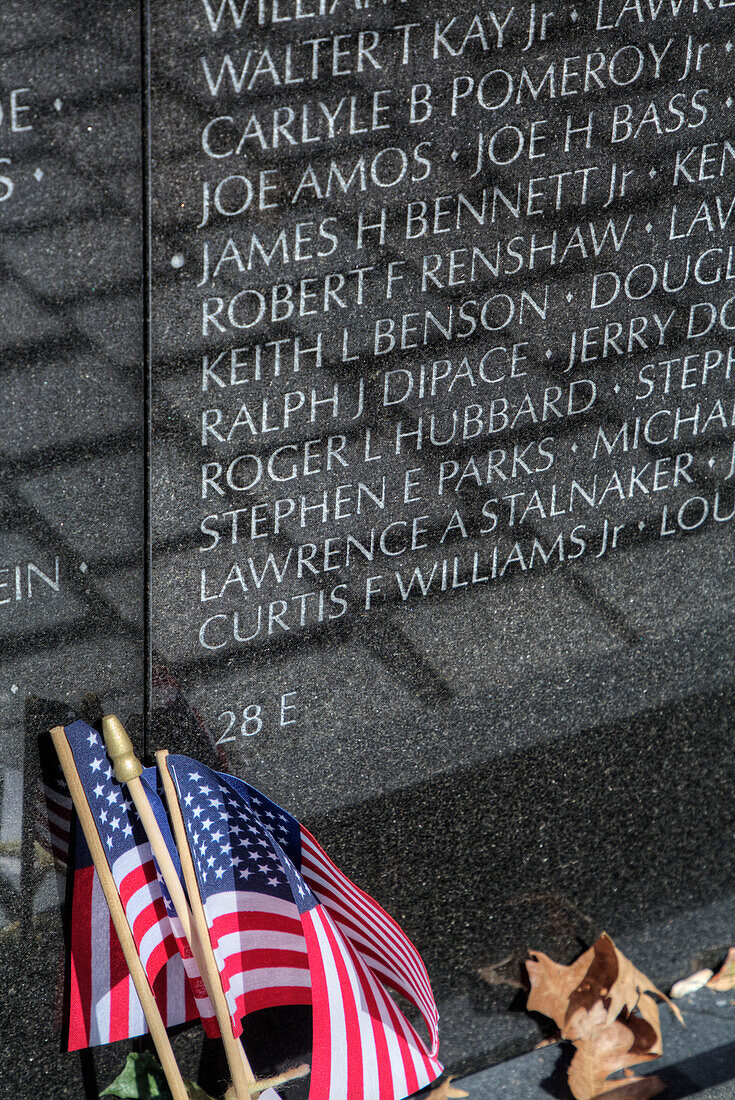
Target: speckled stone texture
71 459
504 766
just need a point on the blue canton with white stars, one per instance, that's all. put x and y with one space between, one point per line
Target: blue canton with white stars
239 838
117 821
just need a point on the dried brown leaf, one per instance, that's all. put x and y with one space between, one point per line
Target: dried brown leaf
690 984
606 1007
648 1010
552 984
630 985
446 1090
603 1048
724 979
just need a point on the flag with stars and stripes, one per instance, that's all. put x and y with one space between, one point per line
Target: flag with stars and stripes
53 813
102 1003
287 927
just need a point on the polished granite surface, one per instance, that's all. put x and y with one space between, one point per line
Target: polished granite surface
511 763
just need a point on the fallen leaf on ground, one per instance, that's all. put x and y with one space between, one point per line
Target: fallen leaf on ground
632 989
552 984
724 979
690 984
446 1090
143 1079
606 1007
603 1048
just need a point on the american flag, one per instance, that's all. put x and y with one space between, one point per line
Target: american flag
53 814
287 927
52 806
103 1004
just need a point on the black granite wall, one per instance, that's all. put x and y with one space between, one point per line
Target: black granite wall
447 290
72 537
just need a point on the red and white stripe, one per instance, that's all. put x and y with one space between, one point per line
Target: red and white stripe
164 951
53 821
204 1006
104 1006
364 1048
382 944
259 945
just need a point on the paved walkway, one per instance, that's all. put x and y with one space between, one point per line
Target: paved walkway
698 1060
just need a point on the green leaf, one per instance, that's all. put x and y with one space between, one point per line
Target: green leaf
141 1079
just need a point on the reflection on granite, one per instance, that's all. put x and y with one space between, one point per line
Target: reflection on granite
71 462
504 767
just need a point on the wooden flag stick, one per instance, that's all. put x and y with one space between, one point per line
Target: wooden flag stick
200 920
140 980
128 770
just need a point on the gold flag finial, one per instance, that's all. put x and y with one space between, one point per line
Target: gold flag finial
120 749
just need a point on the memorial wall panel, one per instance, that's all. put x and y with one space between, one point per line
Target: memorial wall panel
369 371
442 464
72 531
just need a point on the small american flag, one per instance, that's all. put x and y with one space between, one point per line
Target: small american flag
53 815
52 805
103 1004
288 928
